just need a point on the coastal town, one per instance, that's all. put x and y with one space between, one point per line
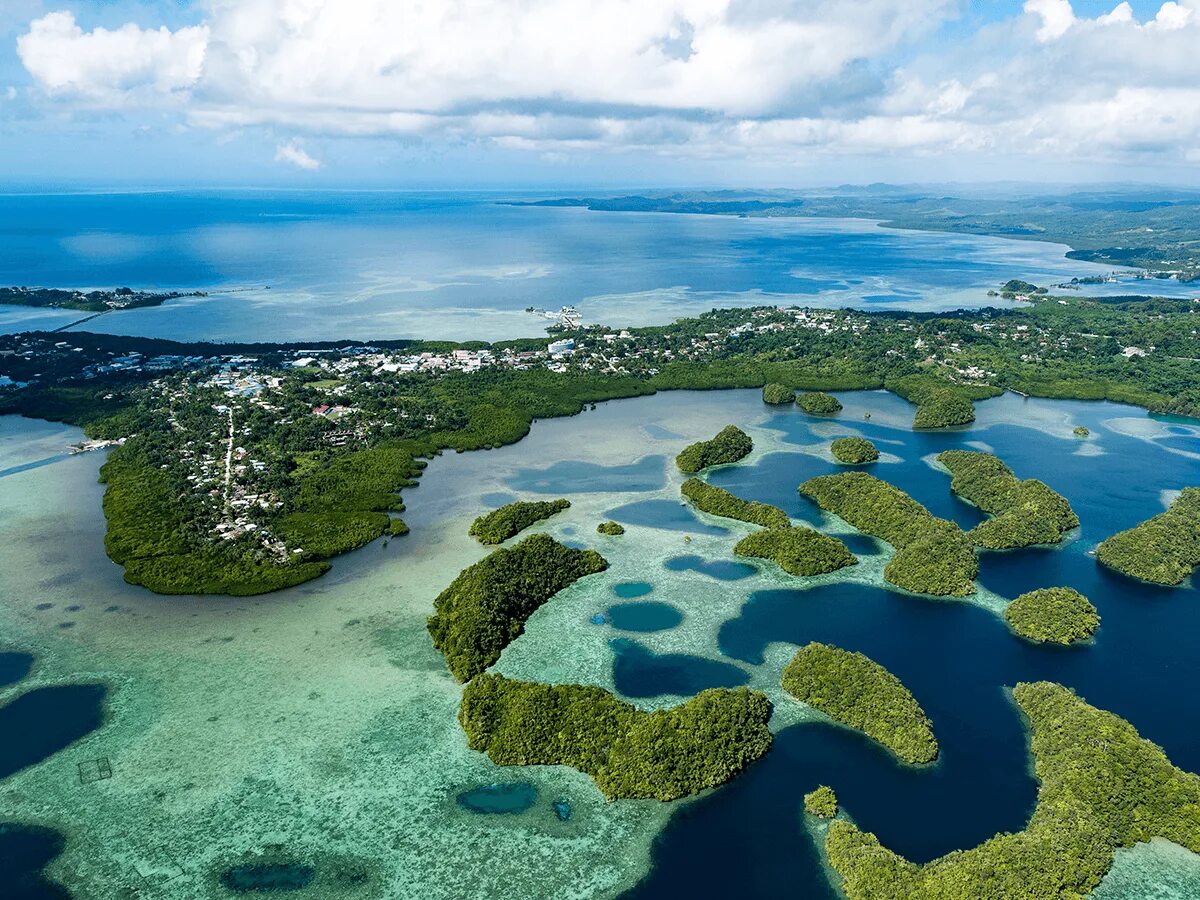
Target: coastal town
240 423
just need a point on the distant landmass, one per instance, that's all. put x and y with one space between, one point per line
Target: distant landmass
1151 230
88 301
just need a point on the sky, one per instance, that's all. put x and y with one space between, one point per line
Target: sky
578 93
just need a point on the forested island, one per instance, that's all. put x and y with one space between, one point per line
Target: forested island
933 556
797 550
1023 513
485 608
858 692
819 403
854 451
729 446
777 394
1163 549
628 752
499 525
246 467
1101 786
720 502
88 301
1059 615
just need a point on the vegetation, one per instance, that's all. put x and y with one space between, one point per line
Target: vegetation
628 752
1102 786
1059 345
1024 512
943 409
776 393
854 451
1154 231
1080 431
1059 615
720 502
1163 549
818 403
933 556
485 608
855 690
499 525
610 528
730 445
797 550
821 803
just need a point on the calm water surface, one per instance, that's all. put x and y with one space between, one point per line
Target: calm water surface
388 265
956 658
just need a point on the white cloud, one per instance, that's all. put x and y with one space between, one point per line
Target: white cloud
109 66
293 154
1057 17
761 79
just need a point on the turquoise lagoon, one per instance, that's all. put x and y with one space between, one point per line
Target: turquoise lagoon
316 727
312 265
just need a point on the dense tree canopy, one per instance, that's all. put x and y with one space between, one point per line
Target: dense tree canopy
777 394
499 525
1059 615
720 502
853 451
933 556
485 608
730 445
821 803
818 403
1163 549
1024 512
797 550
1102 786
628 752
855 690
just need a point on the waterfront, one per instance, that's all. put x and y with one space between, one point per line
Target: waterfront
317 726
378 265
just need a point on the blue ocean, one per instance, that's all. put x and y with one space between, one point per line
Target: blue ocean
302 265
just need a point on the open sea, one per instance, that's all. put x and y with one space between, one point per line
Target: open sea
305 265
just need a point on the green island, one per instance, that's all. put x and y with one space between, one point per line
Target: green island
1163 549
720 502
1023 513
1080 431
854 451
933 556
856 691
776 394
821 802
95 301
499 525
612 529
943 408
628 752
485 608
1101 786
730 445
244 468
1058 615
818 403
797 550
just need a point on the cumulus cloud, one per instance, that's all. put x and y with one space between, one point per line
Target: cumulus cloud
707 78
1057 17
293 154
108 66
